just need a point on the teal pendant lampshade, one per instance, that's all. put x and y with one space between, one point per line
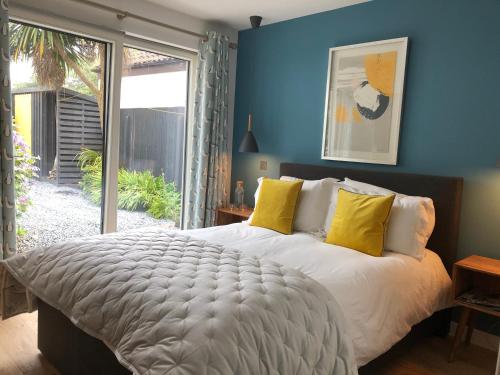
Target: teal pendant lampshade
248 143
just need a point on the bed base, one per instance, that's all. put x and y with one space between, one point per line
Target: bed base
72 351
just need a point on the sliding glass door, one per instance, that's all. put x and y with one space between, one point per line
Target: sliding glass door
153 116
100 131
59 112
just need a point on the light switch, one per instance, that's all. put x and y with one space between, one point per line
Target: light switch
263 165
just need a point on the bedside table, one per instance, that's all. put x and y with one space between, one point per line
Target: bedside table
482 275
226 215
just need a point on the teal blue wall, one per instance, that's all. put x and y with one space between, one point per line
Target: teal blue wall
450 124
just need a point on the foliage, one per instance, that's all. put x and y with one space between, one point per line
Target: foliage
57 56
136 190
90 162
73 82
53 54
25 171
22 85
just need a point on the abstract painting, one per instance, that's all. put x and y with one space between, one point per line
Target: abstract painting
363 102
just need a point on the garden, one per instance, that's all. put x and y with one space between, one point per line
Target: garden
50 206
48 213
136 190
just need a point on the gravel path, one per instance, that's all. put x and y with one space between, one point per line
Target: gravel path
59 213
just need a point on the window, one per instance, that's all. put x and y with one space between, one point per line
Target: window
153 107
59 111
98 158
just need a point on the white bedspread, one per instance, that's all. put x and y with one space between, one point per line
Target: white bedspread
382 298
166 303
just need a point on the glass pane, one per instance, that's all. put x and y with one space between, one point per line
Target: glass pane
57 95
153 121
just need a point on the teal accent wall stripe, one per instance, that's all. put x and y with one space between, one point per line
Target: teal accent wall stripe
450 124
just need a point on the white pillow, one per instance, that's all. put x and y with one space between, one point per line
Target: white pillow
312 206
332 205
257 191
364 188
411 222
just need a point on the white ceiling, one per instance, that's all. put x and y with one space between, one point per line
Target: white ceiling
235 13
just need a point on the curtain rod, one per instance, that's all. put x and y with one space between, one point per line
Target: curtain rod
121 14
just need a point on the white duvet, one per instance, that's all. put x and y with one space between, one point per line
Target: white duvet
381 298
169 304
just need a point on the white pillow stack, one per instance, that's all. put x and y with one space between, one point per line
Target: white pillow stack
411 222
312 206
332 206
410 225
257 191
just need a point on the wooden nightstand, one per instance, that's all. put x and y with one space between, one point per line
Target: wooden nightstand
226 215
482 275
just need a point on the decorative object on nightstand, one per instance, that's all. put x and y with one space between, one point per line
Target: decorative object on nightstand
230 215
239 194
476 288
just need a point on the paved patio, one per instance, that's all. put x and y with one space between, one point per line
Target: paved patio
59 213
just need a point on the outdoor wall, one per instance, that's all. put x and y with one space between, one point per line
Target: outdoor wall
22 118
160 90
449 124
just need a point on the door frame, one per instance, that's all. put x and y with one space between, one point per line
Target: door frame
116 40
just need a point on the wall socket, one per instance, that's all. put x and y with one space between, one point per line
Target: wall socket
263 165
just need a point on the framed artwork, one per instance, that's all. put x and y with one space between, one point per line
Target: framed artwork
364 96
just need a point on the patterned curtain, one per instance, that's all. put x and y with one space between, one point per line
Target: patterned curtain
210 159
14 298
7 206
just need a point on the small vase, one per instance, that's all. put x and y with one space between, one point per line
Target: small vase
239 194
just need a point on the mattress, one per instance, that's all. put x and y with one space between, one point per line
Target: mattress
381 297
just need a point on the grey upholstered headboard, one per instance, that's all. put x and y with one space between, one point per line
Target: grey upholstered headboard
446 192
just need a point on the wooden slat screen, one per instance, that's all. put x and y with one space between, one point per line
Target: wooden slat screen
78 127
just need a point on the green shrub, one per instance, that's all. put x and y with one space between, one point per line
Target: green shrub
25 171
90 163
136 190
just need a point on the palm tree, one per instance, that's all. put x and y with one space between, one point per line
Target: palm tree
54 55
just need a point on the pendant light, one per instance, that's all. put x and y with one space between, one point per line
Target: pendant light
249 143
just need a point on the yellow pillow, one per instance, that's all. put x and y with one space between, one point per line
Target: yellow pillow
275 207
360 221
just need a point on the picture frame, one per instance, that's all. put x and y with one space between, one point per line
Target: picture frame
363 103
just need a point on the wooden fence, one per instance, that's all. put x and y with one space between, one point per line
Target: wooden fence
153 139
78 128
43 130
65 122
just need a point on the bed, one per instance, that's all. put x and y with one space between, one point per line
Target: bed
73 351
